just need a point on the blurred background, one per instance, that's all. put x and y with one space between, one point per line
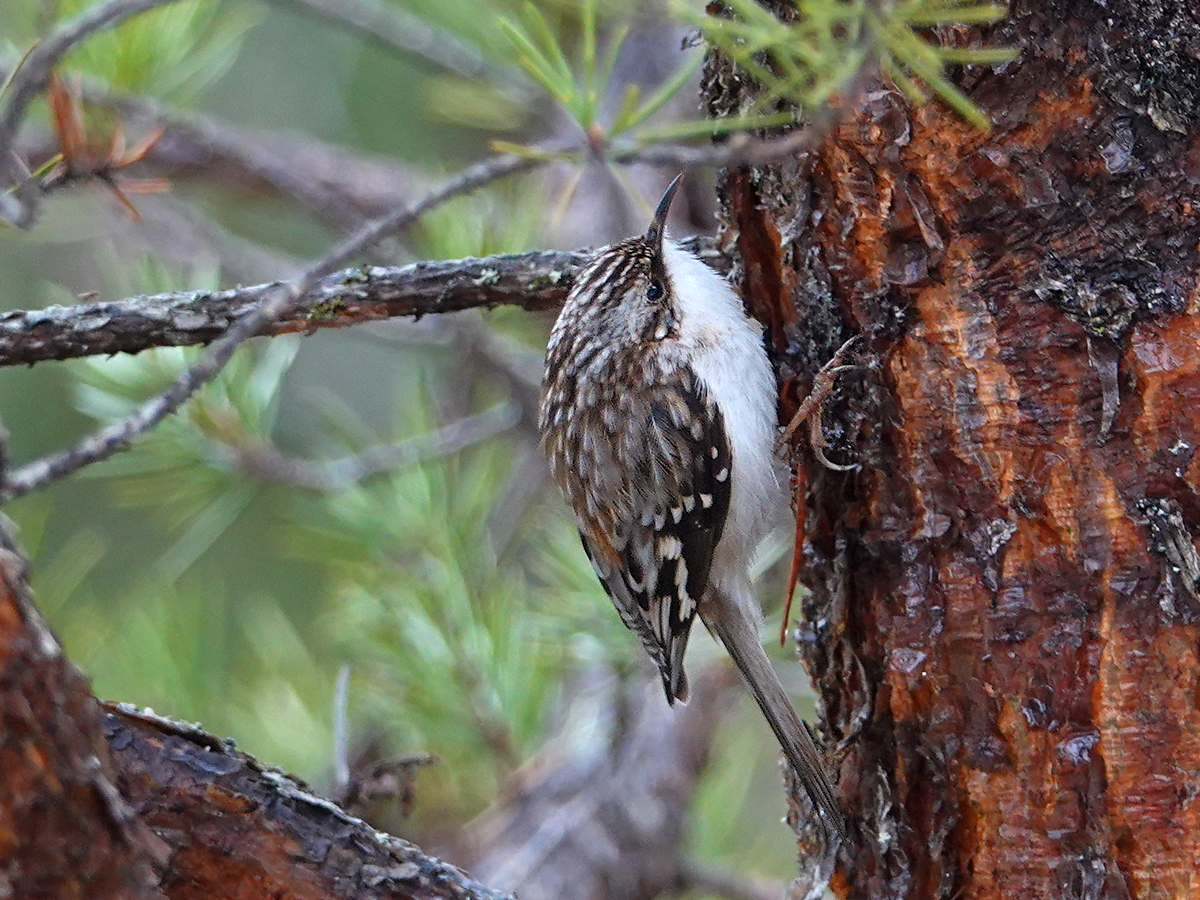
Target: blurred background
442 606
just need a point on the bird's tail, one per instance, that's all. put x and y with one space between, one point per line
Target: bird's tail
732 625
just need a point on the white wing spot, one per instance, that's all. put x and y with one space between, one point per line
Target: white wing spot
689 503
723 474
669 547
706 500
687 606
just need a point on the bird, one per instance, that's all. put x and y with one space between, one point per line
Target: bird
658 419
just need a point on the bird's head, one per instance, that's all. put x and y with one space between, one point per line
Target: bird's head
625 291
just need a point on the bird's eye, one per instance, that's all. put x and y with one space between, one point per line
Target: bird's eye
655 291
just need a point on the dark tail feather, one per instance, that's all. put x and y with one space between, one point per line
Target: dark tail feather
730 623
675 681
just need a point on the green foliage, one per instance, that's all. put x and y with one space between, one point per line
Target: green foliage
577 87
458 647
506 219
172 53
460 610
808 58
186 462
453 652
912 61
581 80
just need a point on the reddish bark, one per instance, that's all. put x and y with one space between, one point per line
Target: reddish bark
64 830
1005 598
238 831
233 829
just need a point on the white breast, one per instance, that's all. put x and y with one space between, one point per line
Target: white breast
727 353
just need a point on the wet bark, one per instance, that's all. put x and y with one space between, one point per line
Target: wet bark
1004 618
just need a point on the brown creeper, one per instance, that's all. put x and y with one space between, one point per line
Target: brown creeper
658 417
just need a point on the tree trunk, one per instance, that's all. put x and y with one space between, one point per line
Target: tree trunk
65 832
1005 598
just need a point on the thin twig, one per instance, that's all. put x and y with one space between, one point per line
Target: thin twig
275 301
340 186
3 453
393 29
19 206
271 464
471 179
536 281
341 754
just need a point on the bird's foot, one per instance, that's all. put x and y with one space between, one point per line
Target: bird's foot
809 412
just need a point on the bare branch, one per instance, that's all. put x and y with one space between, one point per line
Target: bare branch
340 186
271 464
276 300
394 29
536 281
19 206
233 827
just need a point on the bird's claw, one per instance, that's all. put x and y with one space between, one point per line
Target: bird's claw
809 411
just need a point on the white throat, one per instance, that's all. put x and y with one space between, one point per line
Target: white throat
726 349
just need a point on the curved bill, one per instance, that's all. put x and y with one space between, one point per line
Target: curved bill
658 225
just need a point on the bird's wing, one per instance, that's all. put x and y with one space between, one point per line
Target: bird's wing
655 552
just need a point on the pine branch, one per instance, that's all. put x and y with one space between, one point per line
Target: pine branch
19 206
535 281
267 462
233 827
394 29
340 186
273 302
